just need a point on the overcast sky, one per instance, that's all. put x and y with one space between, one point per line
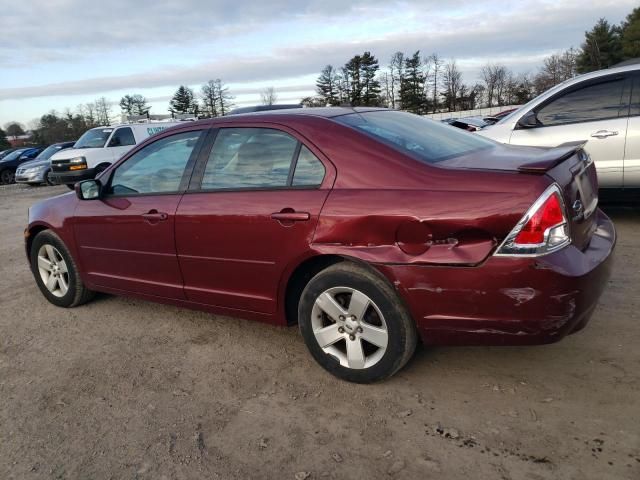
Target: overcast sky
60 53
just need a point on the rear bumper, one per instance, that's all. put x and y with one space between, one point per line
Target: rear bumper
72 177
508 300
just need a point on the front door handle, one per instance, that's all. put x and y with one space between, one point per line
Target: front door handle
291 216
604 133
153 216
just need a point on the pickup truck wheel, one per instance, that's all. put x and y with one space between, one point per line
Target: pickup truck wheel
7 176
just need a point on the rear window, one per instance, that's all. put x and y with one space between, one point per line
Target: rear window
421 138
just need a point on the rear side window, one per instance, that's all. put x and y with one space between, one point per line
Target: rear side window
418 137
122 137
309 170
246 158
157 168
599 101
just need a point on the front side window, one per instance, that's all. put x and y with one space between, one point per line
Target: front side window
122 137
425 140
95 138
594 102
249 158
157 168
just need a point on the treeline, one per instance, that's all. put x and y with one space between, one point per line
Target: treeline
414 82
427 83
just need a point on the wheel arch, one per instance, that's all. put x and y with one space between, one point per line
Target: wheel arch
306 270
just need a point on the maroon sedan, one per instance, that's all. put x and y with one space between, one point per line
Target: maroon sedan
368 228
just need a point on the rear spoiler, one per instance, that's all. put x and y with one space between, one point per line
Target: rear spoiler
552 157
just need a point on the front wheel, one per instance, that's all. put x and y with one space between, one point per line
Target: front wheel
7 176
354 324
56 272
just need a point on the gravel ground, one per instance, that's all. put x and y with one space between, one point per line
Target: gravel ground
123 388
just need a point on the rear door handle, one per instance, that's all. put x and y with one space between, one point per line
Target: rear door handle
604 133
155 216
291 216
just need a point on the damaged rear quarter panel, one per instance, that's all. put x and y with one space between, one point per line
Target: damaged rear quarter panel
437 227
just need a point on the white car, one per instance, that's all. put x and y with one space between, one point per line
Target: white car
98 148
602 108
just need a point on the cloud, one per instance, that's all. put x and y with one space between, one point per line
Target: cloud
517 34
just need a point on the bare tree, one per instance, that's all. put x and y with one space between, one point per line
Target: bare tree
269 96
396 75
494 78
452 82
437 63
103 111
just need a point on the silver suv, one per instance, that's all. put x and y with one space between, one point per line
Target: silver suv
601 107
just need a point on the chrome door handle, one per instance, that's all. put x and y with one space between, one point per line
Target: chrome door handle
604 133
291 216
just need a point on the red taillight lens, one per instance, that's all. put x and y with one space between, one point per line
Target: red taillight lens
548 215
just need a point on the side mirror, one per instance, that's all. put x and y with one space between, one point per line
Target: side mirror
89 190
529 120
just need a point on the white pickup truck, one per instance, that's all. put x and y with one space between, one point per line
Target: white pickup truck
98 148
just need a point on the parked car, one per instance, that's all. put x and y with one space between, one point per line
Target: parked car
38 170
367 227
470 124
6 152
98 148
601 108
9 164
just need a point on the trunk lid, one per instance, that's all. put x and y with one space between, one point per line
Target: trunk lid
568 165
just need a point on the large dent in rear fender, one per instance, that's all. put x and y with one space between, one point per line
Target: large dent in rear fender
417 226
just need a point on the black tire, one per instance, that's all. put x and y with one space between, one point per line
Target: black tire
7 176
70 186
401 331
77 293
47 178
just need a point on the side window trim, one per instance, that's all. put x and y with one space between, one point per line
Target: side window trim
625 78
186 175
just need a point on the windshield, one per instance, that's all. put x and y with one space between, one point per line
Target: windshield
421 138
15 154
48 152
95 138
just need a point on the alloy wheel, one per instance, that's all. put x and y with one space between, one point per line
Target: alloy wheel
349 326
53 270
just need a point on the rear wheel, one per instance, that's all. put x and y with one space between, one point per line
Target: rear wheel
354 324
7 176
56 272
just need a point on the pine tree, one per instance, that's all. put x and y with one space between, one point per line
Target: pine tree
412 90
369 67
630 38
183 101
327 86
4 142
139 105
126 105
601 49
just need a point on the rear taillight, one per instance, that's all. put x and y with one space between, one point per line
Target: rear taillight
543 229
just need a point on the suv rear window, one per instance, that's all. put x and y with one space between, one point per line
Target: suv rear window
423 139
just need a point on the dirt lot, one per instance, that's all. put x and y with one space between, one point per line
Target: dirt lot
122 388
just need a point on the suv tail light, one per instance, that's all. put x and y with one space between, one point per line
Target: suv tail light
543 229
